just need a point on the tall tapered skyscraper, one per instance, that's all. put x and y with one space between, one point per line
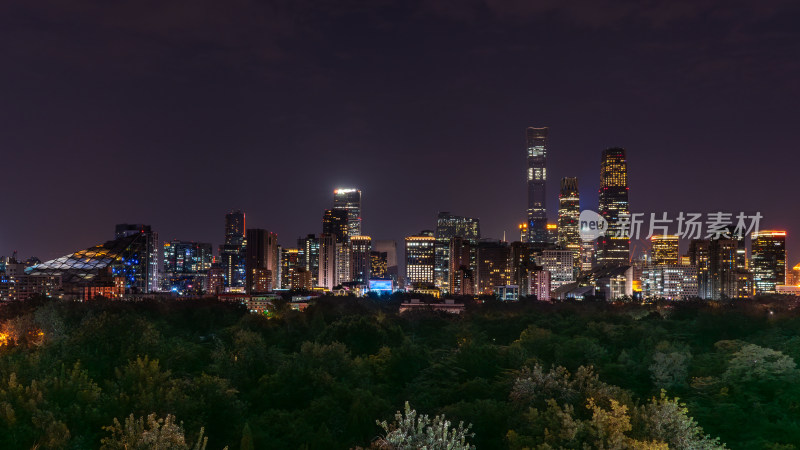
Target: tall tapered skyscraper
613 250
536 139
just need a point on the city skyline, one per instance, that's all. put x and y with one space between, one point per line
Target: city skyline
692 97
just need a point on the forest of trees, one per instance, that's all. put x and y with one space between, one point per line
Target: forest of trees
352 373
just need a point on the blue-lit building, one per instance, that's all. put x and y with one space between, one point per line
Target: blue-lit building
112 269
232 252
186 266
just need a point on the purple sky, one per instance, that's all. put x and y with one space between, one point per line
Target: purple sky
171 113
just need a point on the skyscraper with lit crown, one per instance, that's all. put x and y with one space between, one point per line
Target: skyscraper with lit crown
349 200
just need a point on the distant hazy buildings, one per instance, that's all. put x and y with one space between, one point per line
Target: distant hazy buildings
536 140
769 260
613 249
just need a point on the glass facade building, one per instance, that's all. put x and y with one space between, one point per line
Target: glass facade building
449 226
349 200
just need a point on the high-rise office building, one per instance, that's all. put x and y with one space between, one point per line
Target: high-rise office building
335 222
186 266
326 277
291 265
420 257
187 257
262 261
310 257
719 274
142 276
349 200
536 139
344 272
664 249
768 249
462 258
449 226
493 265
560 265
569 212
232 252
521 262
613 249
360 258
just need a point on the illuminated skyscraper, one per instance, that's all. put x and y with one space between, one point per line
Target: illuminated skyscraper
334 221
420 257
718 272
493 265
569 212
462 256
262 261
186 266
449 226
768 260
349 200
326 277
664 249
612 249
536 139
292 265
142 276
232 252
310 256
361 261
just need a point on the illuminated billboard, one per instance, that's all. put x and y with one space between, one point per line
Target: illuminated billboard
381 285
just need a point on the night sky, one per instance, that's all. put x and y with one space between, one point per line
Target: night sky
171 113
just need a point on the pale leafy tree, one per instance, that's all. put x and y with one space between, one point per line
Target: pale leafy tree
151 433
667 420
756 363
412 432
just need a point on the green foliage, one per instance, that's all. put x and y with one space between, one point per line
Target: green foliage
525 375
